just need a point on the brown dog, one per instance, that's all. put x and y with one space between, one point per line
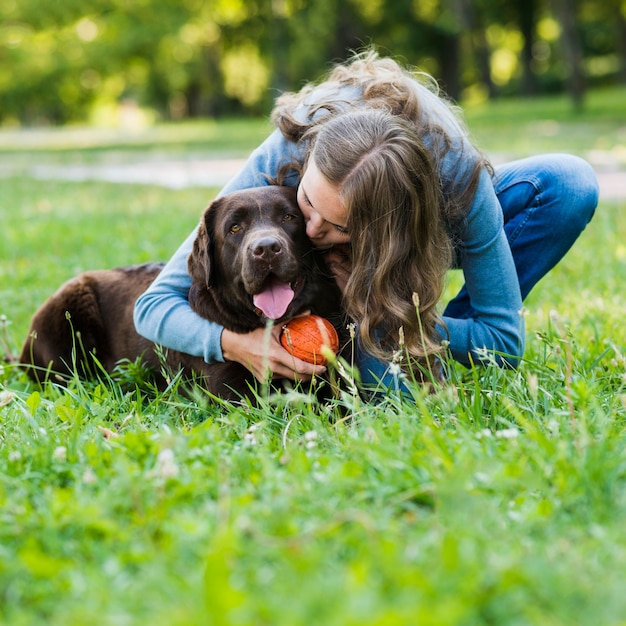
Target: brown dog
251 262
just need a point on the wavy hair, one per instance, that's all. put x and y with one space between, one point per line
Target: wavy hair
384 149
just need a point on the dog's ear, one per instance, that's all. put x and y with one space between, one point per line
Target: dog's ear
200 261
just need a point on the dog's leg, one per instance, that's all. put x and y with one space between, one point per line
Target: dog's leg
65 332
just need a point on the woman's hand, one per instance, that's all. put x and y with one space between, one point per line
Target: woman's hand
262 353
339 261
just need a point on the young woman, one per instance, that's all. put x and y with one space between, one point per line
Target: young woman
395 193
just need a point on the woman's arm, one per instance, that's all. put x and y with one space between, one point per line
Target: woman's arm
492 319
163 315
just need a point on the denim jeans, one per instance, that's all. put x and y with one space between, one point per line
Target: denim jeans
546 201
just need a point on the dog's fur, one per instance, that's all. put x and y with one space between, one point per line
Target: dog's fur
246 241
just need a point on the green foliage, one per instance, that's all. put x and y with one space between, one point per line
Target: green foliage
186 58
497 499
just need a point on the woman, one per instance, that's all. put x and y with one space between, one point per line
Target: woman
394 192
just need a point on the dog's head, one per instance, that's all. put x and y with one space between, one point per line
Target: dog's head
252 261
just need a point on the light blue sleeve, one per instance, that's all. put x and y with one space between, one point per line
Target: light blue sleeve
162 314
496 324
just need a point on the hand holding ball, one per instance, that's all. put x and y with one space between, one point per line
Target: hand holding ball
303 337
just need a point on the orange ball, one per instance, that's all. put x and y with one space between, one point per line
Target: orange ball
304 337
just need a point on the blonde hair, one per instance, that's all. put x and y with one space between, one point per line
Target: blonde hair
383 145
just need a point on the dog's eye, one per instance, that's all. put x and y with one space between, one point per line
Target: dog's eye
235 228
287 217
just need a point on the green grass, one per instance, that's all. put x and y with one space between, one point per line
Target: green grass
223 136
500 499
547 124
53 230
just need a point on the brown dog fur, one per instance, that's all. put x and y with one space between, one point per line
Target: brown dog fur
244 240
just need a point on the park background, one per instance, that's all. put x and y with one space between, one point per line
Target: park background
69 61
499 499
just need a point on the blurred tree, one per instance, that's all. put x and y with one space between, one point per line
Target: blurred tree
527 18
474 22
316 34
446 42
426 34
620 20
565 11
604 37
190 58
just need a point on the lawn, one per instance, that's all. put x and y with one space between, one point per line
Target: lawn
523 127
499 499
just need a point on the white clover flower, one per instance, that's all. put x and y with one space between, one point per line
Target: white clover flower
507 433
249 438
14 456
60 454
553 426
89 476
310 439
166 467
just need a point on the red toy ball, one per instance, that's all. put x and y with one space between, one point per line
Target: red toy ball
304 337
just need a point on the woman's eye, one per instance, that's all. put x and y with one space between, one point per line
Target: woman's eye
234 229
341 229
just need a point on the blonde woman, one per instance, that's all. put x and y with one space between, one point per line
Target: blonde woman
395 193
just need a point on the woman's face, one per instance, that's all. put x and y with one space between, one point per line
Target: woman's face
324 213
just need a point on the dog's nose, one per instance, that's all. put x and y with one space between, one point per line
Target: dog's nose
266 248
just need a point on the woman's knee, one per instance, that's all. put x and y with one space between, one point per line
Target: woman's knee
573 184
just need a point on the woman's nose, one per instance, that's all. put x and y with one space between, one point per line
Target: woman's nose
315 226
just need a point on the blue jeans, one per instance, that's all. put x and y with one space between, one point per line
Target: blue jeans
547 201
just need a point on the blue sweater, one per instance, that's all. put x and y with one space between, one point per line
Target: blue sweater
163 315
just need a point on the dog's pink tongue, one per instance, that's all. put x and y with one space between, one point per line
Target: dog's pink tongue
274 299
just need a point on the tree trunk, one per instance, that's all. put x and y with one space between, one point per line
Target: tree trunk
348 34
471 21
449 63
527 15
572 50
621 42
